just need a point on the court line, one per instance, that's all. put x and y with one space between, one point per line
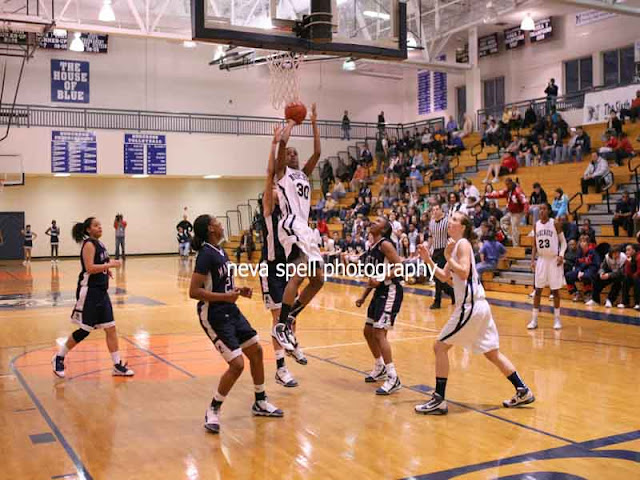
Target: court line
353 344
568 312
80 467
155 355
578 450
488 414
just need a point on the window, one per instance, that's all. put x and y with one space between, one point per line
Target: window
578 74
493 89
618 66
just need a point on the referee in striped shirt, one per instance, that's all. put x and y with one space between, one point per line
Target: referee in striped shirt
437 243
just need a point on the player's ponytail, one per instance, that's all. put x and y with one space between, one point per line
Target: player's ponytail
388 230
465 221
200 232
79 230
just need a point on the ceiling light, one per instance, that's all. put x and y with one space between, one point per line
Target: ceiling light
61 174
380 15
212 176
139 175
189 44
106 12
527 23
77 45
491 14
59 32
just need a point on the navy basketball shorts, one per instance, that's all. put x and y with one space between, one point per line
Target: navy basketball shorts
93 309
229 330
385 306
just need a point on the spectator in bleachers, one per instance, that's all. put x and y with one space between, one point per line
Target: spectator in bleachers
581 145
623 149
315 234
396 229
453 204
571 255
381 122
611 273
631 277
330 209
538 197
530 117
342 172
452 125
382 149
560 204
415 180
413 235
634 111
507 166
515 118
490 254
636 223
317 211
585 270
614 123
338 192
479 215
418 161
470 190
494 211
595 173
506 117
360 177
365 155
557 148
587 229
323 228
490 136
517 208
625 208
426 139
467 126
524 152
346 126
326 176
570 229
247 245
329 250
455 145
552 95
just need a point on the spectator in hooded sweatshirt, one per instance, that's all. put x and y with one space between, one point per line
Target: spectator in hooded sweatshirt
586 268
631 277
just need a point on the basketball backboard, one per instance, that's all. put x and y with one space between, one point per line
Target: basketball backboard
360 28
11 170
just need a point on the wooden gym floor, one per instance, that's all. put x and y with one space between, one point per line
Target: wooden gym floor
584 424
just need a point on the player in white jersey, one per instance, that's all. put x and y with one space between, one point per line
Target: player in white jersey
549 245
471 325
294 194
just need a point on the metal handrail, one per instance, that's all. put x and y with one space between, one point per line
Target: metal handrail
183 122
239 218
249 211
574 212
453 167
608 186
636 174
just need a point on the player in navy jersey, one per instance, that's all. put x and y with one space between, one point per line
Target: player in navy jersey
93 306
29 237
273 254
54 236
213 286
384 306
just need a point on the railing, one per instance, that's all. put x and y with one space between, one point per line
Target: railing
227 224
608 181
574 212
571 101
636 175
238 218
151 121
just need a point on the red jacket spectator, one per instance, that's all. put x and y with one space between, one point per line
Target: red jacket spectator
510 163
630 272
635 103
612 143
517 200
322 227
625 145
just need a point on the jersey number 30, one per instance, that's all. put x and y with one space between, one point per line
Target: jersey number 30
544 243
303 190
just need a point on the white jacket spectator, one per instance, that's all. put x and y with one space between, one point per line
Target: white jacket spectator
595 173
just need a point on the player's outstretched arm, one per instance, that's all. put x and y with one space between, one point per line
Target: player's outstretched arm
313 160
267 196
281 159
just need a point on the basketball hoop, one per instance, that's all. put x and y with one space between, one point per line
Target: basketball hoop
285 85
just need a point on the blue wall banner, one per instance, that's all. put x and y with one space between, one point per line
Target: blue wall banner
424 92
73 152
69 81
143 147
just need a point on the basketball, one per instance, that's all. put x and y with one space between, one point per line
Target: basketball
296 112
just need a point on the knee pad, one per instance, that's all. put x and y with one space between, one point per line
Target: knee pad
79 335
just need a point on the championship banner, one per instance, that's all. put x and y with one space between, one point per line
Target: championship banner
598 105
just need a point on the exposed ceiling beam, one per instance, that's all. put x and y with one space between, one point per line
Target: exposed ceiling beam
620 8
128 32
136 15
160 15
